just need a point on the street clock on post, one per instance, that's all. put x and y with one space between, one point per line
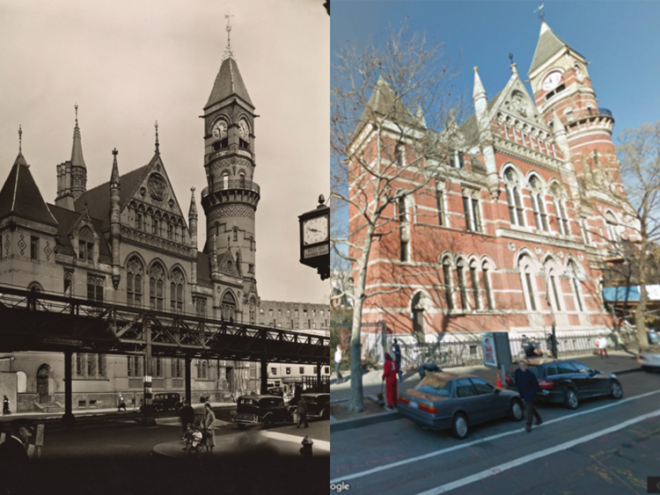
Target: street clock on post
315 239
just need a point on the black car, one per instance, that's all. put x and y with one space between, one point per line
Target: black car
170 401
268 409
318 404
568 381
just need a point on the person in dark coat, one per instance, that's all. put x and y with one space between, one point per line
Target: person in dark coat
5 405
396 350
14 461
187 415
528 386
301 411
390 374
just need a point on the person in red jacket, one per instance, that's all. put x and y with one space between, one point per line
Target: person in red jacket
390 374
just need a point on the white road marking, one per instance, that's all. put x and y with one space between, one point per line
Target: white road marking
537 455
403 462
318 444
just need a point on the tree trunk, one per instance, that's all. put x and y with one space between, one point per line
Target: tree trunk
640 318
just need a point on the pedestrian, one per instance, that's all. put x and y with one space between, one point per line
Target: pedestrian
301 411
553 346
207 428
5 405
396 349
338 357
121 403
527 346
528 385
14 460
187 416
602 346
390 374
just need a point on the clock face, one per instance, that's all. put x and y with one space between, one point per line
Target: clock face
579 74
243 129
315 230
220 130
551 80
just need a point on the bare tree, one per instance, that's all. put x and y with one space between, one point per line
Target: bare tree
385 101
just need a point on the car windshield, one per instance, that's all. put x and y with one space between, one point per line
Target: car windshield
249 402
434 385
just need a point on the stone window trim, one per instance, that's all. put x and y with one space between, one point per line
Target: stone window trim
528 283
537 195
512 186
447 268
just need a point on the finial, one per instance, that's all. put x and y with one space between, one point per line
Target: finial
20 138
115 152
157 144
541 13
321 200
475 68
192 189
511 57
228 52
76 107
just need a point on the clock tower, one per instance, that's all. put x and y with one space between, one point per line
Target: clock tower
231 196
567 102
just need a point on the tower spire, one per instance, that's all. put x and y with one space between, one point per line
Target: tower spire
228 52
20 139
157 143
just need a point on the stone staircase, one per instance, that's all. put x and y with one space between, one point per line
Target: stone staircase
50 407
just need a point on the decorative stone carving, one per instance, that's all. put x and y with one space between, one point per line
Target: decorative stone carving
512 247
520 103
538 250
580 257
157 187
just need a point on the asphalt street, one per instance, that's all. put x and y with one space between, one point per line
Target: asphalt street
605 447
116 456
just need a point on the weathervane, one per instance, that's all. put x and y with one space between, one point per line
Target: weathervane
540 11
228 52
76 107
511 57
157 144
20 138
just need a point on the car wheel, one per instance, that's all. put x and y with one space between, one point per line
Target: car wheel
269 422
571 399
516 410
616 391
459 426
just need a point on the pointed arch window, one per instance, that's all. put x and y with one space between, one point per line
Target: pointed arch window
528 283
134 276
462 285
474 280
487 285
156 287
560 211
225 180
575 282
228 306
449 289
538 204
513 199
404 228
556 291
612 226
176 291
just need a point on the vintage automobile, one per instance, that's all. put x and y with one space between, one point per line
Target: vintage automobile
170 401
318 404
267 409
567 381
445 401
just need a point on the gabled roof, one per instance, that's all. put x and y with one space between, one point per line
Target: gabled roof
20 195
384 102
549 44
227 265
228 82
66 220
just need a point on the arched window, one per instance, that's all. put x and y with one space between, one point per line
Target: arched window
36 287
225 180
575 282
241 176
253 312
474 280
462 285
404 228
612 225
235 234
488 286
449 288
528 282
176 291
555 288
418 305
170 231
156 287
134 276
228 306
560 211
538 204
513 199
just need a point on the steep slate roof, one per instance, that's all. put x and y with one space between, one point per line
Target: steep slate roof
227 265
228 82
469 127
548 45
98 198
20 195
77 159
66 219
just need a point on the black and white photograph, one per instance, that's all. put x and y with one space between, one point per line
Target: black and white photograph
164 246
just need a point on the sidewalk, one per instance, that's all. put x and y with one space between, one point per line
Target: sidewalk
618 362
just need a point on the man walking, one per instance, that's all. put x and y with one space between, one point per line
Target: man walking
301 411
5 405
187 416
338 358
121 403
396 349
528 385
390 372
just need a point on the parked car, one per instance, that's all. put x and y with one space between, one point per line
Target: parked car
318 404
276 391
444 401
170 401
268 409
649 359
568 381
654 338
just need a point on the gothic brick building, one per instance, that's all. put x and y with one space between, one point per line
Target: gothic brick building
515 231
127 242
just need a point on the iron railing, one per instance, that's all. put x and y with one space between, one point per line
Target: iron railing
226 185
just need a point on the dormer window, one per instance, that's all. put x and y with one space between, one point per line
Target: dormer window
456 160
86 251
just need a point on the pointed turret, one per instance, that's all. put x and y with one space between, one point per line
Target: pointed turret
72 174
548 46
228 82
192 222
115 226
77 159
479 99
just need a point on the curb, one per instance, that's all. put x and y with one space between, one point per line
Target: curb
374 419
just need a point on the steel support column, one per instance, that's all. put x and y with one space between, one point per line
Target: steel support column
188 378
318 377
264 375
68 417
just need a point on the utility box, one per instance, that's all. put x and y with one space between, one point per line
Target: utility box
496 350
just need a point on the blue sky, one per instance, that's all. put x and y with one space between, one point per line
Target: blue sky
620 39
